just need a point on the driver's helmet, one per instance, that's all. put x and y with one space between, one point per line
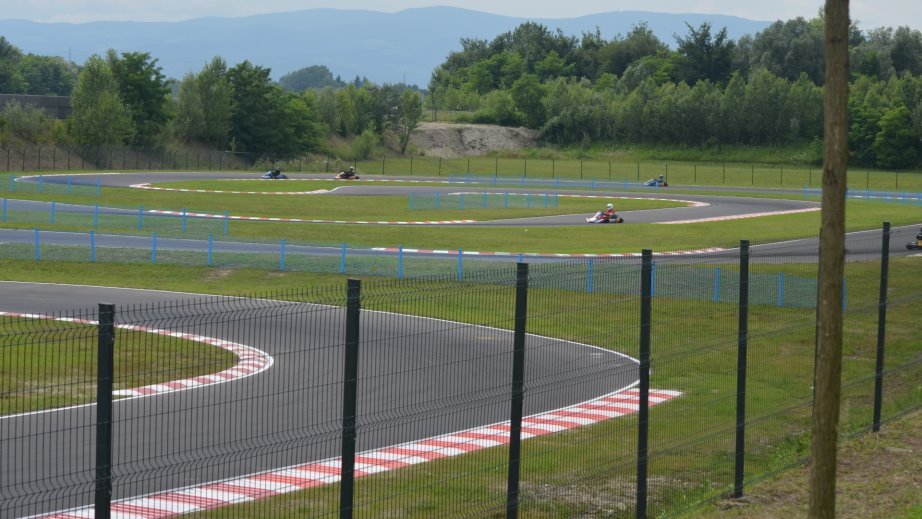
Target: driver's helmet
351 169
661 177
610 207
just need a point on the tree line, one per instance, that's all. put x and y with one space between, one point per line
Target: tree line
762 90
709 91
125 99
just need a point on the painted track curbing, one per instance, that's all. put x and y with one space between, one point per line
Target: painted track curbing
297 477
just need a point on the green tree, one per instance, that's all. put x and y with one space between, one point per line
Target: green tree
99 116
906 52
896 144
640 42
47 75
863 122
11 80
533 41
354 106
215 90
552 66
383 102
296 126
406 116
528 94
313 77
204 105
189 123
251 101
703 56
805 109
326 106
790 48
732 129
144 90
658 68
765 105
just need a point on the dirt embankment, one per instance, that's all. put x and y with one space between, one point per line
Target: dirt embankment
448 140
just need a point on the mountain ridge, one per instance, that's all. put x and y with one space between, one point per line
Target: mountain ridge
384 47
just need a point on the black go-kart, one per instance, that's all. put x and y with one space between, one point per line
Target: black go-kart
917 243
601 217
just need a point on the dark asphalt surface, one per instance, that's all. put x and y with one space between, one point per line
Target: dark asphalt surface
419 378
718 205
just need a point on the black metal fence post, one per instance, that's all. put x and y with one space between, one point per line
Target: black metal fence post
518 390
742 346
646 313
105 367
350 397
881 324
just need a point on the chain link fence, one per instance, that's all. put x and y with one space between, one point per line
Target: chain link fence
625 387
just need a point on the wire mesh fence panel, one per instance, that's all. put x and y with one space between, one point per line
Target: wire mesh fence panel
581 458
694 351
47 361
240 405
431 390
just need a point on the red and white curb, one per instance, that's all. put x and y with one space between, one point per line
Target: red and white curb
250 361
297 477
741 216
302 220
709 250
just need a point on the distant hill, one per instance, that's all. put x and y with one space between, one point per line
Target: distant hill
384 47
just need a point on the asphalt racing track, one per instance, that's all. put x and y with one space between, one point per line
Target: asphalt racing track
294 395
294 391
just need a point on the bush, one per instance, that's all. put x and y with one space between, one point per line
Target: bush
364 146
25 121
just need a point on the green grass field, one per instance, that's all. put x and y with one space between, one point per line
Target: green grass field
47 364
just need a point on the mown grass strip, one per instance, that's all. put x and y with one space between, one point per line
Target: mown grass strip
46 364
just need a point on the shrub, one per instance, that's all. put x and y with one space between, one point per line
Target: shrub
363 147
25 121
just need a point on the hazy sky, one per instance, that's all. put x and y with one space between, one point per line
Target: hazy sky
869 13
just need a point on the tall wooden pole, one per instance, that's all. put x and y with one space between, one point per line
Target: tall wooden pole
832 259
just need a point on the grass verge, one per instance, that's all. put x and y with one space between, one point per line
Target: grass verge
46 364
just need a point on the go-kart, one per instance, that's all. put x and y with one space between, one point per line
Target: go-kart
274 174
914 245
656 182
347 175
601 217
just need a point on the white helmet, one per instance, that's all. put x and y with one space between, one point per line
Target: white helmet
610 206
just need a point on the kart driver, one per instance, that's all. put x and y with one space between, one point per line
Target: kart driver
609 213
